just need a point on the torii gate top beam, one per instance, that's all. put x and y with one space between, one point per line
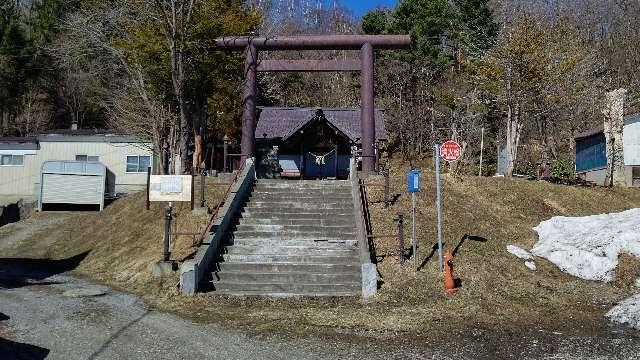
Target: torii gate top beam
315 42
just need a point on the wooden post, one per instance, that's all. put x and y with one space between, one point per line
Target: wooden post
386 188
400 221
481 149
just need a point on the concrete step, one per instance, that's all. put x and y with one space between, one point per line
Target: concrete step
295 201
303 183
293 194
288 267
288 193
299 205
289 288
317 227
224 292
290 250
326 244
286 277
337 191
320 234
305 198
310 221
289 213
292 259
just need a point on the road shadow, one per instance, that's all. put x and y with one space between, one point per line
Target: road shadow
13 350
16 272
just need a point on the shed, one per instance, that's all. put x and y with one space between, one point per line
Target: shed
72 182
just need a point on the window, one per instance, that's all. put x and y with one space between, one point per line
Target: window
11 160
635 176
87 158
138 163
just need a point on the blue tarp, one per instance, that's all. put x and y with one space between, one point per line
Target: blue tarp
591 153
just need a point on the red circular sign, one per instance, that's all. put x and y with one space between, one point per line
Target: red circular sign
450 151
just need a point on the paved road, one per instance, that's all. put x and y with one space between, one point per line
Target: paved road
47 319
43 321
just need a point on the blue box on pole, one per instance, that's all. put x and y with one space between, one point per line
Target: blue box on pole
413 180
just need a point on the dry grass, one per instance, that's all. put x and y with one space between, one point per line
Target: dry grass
122 240
498 291
627 271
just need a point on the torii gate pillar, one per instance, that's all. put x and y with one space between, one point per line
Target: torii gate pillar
249 95
367 105
364 43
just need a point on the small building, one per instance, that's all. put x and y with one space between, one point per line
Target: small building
72 182
591 153
309 142
126 159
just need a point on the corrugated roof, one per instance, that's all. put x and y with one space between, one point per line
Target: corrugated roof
590 132
18 143
73 167
279 122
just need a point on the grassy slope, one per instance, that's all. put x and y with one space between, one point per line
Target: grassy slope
122 240
497 290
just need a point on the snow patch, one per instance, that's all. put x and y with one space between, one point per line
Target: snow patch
588 247
519 252
627 312
531 265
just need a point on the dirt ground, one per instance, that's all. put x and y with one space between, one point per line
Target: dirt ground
499 298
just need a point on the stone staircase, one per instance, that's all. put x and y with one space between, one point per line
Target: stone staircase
295 238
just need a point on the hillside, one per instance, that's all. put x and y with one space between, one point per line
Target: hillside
120 242
497 291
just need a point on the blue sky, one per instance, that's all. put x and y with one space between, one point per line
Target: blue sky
360 7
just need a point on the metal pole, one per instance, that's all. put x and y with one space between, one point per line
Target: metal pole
401 237
202 179
336 149
438 205
192 192
367 116
481 149
413 231
225 153
148 181
386 188
168 216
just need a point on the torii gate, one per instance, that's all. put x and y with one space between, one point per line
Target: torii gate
365 43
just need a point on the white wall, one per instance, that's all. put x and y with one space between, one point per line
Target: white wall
631 141
22 180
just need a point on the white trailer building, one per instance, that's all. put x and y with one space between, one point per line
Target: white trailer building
126 159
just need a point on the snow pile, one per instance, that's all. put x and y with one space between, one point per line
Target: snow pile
519 252
531 265
588 247
627 312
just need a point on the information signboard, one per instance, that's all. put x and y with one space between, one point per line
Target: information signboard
170 188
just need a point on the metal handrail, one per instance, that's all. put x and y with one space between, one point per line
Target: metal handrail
214 214
364 206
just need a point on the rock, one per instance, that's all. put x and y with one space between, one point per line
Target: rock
161 268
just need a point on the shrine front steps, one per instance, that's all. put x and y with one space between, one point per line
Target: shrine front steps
295 238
